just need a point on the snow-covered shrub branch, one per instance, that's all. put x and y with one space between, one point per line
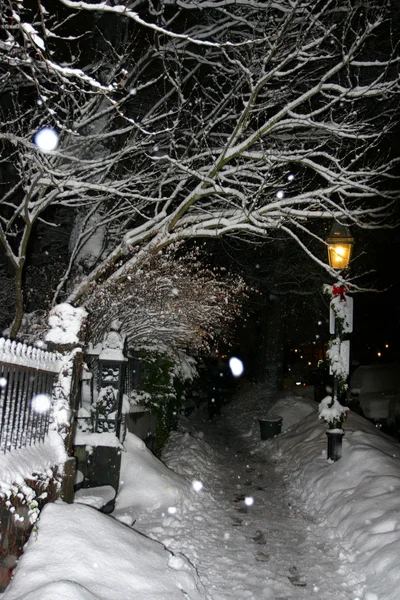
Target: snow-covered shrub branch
171 299
332 412
162 392
22 496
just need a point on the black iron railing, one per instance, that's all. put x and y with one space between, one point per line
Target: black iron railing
26 382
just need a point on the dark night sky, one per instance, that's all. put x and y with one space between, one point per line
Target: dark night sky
377 315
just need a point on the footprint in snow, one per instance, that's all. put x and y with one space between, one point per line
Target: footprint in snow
295 578
239 498
259 538
263 557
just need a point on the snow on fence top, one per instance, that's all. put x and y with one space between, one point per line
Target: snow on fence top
15 353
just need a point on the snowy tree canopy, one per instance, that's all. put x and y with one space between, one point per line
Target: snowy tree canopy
196 119
173 300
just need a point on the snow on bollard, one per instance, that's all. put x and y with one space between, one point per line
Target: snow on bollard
46 139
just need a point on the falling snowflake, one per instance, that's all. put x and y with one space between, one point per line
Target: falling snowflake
41 403
46 139
236 366
197 485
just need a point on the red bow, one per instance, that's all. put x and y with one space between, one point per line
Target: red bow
338 290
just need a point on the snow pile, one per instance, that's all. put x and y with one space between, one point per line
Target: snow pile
81 554
96 496
291 408
354 499
146 484
105 438
331 411
65 322
333 528
194 457
258 402
18 465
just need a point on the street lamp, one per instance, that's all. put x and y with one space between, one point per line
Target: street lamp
340 244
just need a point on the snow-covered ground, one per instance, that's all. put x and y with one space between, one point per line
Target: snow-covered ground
233 517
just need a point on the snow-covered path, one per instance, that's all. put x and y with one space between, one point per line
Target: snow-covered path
265 551
340 540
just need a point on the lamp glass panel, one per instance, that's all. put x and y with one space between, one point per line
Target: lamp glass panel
339 255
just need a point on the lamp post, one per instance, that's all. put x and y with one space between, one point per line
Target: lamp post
340 244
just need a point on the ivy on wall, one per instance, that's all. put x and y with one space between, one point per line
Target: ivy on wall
162 394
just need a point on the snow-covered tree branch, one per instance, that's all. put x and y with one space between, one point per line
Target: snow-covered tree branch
196 119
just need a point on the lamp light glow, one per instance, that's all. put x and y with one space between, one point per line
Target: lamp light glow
340 244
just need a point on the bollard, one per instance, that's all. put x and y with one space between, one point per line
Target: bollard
269 428
335 437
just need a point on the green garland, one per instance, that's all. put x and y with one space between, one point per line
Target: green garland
164 396
342 379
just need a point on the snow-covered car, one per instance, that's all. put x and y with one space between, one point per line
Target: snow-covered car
372 388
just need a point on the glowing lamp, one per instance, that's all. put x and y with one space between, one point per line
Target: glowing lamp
340 244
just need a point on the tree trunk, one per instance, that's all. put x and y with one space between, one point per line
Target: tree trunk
19 301
271 356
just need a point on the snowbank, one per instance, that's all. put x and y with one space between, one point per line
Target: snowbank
18 465
355 498
258 402
146 484
81 554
